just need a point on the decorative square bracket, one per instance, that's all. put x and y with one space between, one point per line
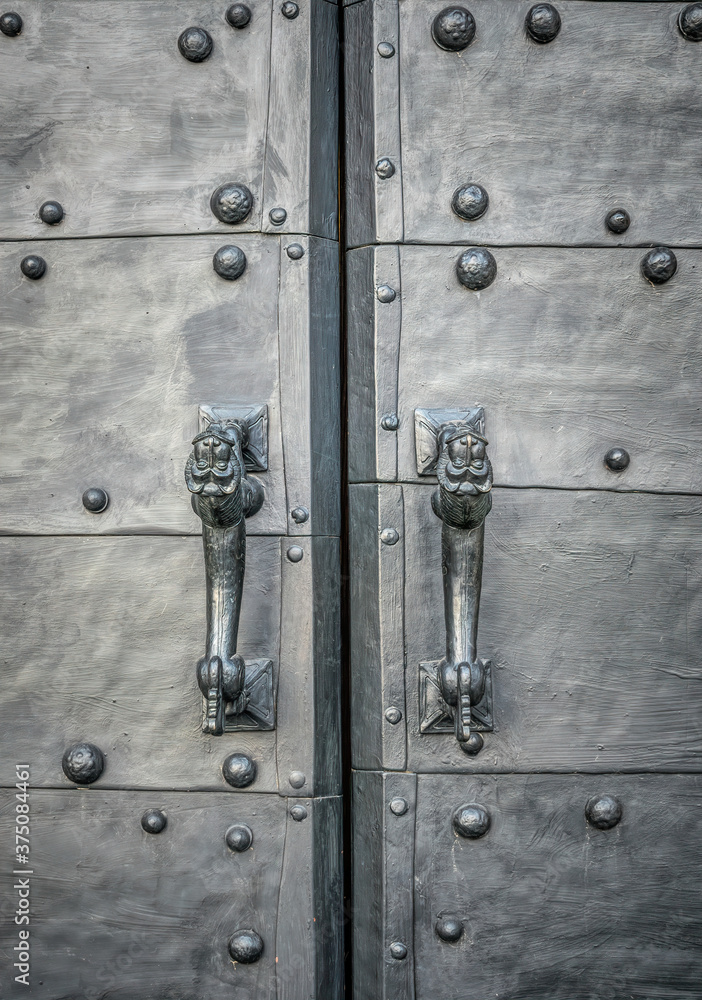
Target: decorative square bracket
428 424
255 450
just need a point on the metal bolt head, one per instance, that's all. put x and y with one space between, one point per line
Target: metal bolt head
231 203
603 811
617 459
239 770
659 265
238 838
618 220
290 10
51 212
295 553
277 216
83 763
95 500
476 268
33 267
385 293
449 929
453 29
386 50
297 779
389 536
10 23
195 44
295 251
300 515
389 421
690 22
229 262
471 821
473 745
154 821
238 15
384 168
543 22
470 202
393 716
298 813
398 950
245 946
399 806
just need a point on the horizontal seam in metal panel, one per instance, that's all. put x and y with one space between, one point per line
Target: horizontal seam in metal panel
97 789
531 246
537 771
138 534
556 489
155 236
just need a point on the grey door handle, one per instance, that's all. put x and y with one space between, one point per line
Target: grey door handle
456 691
238 694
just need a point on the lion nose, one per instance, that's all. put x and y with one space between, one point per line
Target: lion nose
210 490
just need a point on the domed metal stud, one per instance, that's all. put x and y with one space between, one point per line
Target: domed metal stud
300 515
295 553
231 203
295 251
393 716
290 10
476 268
297 779
239 770
389 421
385 293
659 265
617 459
470 202
389 536
398 950
154 821
690 22
618 220
229 262
51 212
471 821
473 745
453 29
10 23
238 838
386 50
603 811
195 44
449 929
543 22
238 15
277 216
245 946
298 813
384 168
399 806
95 500
33 267
83 763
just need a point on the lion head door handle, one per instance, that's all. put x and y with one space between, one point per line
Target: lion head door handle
456 692
238 693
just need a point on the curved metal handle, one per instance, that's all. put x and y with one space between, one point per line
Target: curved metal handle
238 695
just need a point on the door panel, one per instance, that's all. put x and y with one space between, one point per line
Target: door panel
104 114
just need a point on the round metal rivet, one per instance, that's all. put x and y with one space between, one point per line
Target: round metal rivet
10 23
453 29
154 821
231 203
476 268
195 44
51 212
690 22
245 946
238 15
449 929
33 267
295 553
399 806
229 262
618 220
297 779
389 536
298 813
393 715
603 811
300 515
386 50
470 202
473 745
659 265
543 22
277 216
239 770
617 459
384 168
83 763
95 500
398 950
385 293
239 837
389 421
290 10
471 821
295 251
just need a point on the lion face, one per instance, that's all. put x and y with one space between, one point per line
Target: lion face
215 466
463 466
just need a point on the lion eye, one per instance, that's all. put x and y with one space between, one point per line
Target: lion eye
202 465
221 465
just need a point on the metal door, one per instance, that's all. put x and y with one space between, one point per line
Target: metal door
169 286
523 262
